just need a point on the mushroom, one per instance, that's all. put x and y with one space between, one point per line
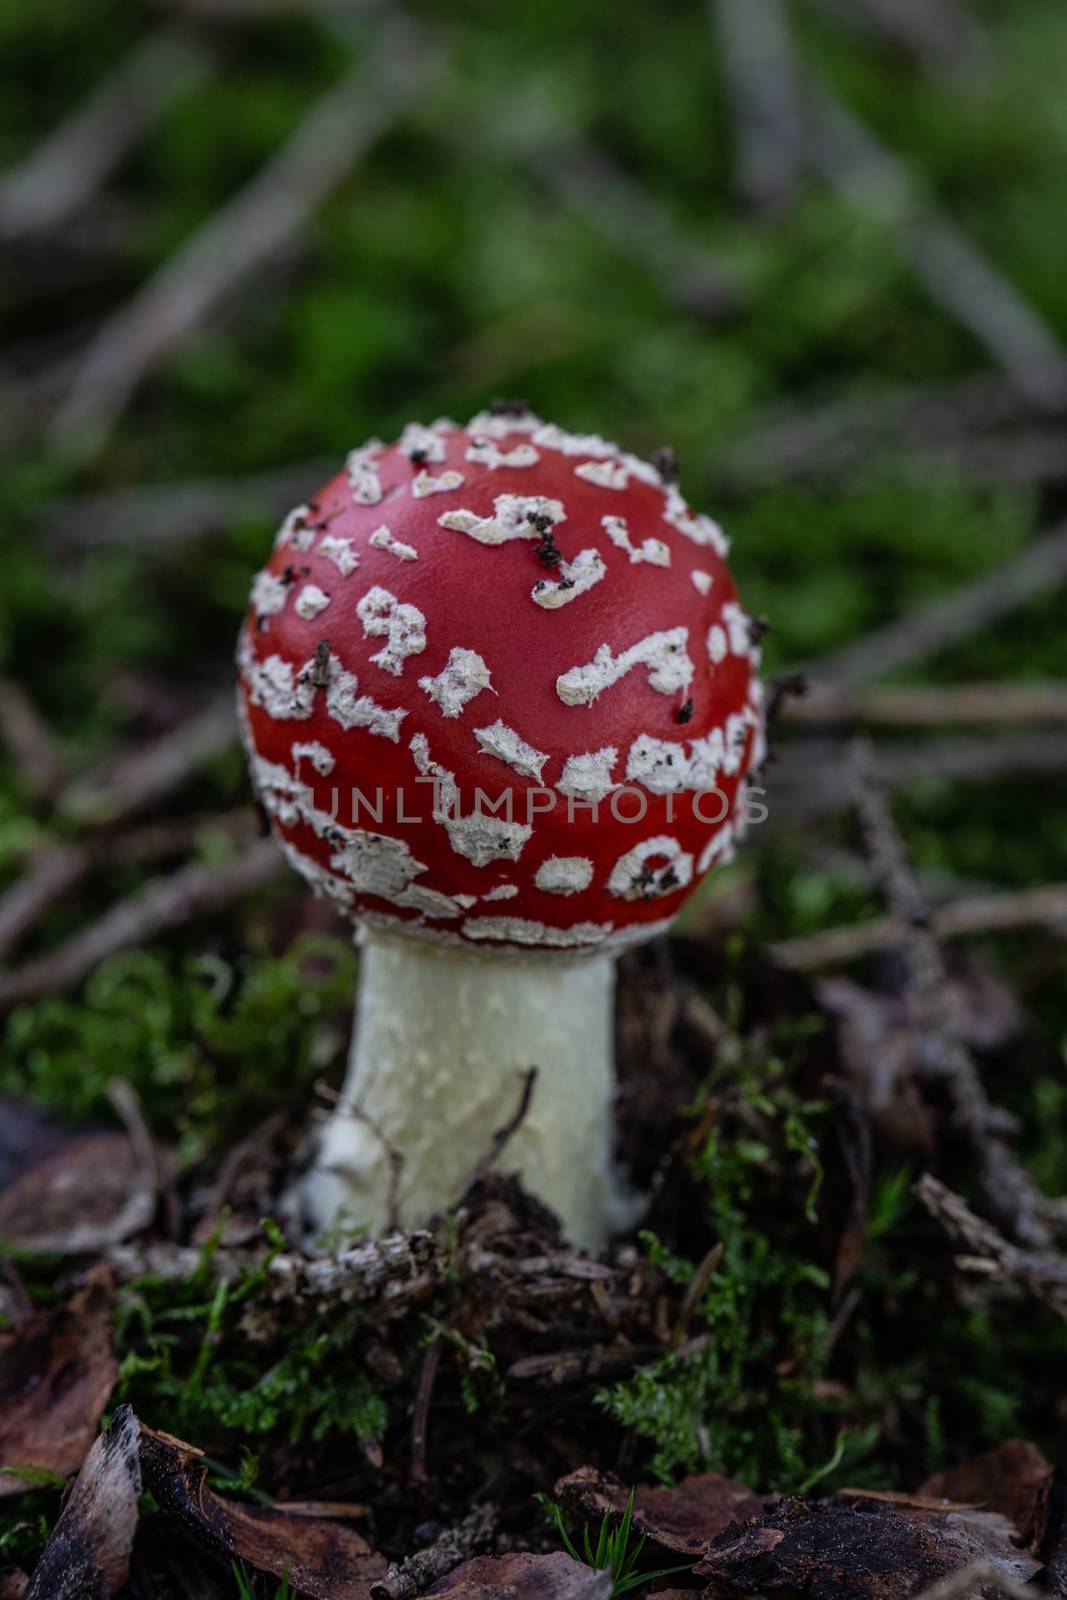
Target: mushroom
501 703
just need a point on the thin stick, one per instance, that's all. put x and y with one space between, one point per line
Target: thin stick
606 198
503 1136
50 876
931 706
1040 569
420 1571
941 1057
146 773
168 513
29 740
57 869
1043 1275
394 1157
194 891
420 1415
694 1294
244 234
59 176
802 441
810 777
982 913
937 32
761 81
955 274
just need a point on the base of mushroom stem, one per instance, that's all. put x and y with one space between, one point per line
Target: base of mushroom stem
444 1039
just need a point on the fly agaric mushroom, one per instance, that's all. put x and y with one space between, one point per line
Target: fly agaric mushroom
500 702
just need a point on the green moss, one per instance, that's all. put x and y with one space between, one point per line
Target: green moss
740 1402
210 1047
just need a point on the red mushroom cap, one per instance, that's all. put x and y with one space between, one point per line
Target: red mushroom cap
536 622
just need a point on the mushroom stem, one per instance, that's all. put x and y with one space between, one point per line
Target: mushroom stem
444 1038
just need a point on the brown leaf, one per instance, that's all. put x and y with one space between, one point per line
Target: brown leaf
320 1558
835 1551
56 1373
91 1193
88 1555
13 1583
1014 1479
525 1577
681 1519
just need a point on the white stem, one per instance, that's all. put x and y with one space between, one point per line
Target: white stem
444 1037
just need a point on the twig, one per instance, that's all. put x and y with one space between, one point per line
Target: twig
395 1158
1040 569
50 876
985 913
939 33
130 1112
29 741
991 1255
74 161
420 1415
930 705
811 776
55 870
701 1278
126 785
243 235
503 1136
582 178
966 286
761 81
194 891
816 437
415 1575
168 513
1025 456
941 1055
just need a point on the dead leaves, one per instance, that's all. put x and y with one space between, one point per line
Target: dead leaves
1015 1480
989 1513
858 1545
322 1559
88 1554
525 1577
834 1550
682 1519
76 1193
56 1373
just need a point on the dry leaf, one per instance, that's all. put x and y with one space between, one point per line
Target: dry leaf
322 1559
88 1555
94 1191
525 1577
836 1551
56 1373
681 1519
13 1583
1014 1479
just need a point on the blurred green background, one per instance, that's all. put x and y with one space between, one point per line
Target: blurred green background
818 248
715 227
650 222
646 221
